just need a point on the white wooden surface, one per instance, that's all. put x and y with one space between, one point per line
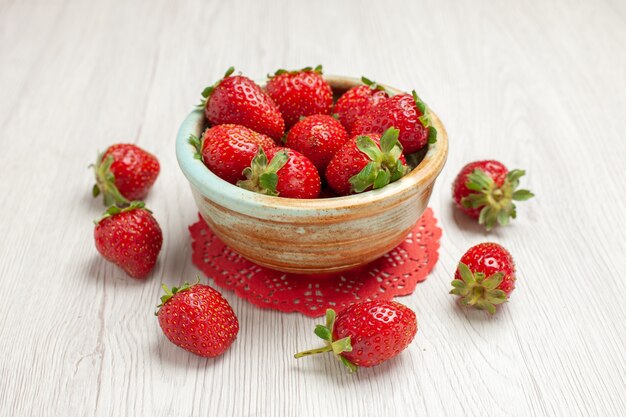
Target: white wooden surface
537 84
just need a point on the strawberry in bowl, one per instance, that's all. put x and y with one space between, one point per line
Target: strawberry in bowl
300 93
236 99
357 101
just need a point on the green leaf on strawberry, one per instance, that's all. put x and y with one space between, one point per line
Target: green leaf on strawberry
113 210
373 84
206 93
385 166
169 293
105 182
425 118
496 202
197 144
478 290
261 175
281 71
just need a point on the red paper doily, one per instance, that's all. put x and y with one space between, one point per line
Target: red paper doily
394 274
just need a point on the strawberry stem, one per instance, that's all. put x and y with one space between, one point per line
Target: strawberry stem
325 332
310 352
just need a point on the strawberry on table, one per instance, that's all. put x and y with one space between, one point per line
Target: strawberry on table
485 277
129 237
282 172
124 172
406 112
228 149
485 190
357 101
317 137
236 99
198 319
300 93
366 334
367 162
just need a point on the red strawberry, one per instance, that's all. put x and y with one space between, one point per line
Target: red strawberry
300 93
238 100
228 149
198 319
485 190
366 334
357 101
282 172
129 237
124 172
485 277
405 112
367 162
317 137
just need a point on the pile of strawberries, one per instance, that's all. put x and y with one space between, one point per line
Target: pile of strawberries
291 140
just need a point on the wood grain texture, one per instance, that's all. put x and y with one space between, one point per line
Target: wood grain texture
537 84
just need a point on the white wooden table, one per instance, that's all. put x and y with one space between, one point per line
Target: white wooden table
539 85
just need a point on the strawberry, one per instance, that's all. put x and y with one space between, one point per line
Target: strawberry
129 237
366 334
318 138
282 172
236 99
485 190
485 277
228 149
124 172
405 112
198 319
300 93
367 162
357 101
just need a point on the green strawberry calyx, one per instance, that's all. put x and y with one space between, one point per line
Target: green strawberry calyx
496 202
169 293
281 71
206 93
337 347
385 166
425 119
373 84
477 290
196 142
261 175
105 182
114 210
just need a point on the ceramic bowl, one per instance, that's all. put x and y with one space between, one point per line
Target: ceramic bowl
311 236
